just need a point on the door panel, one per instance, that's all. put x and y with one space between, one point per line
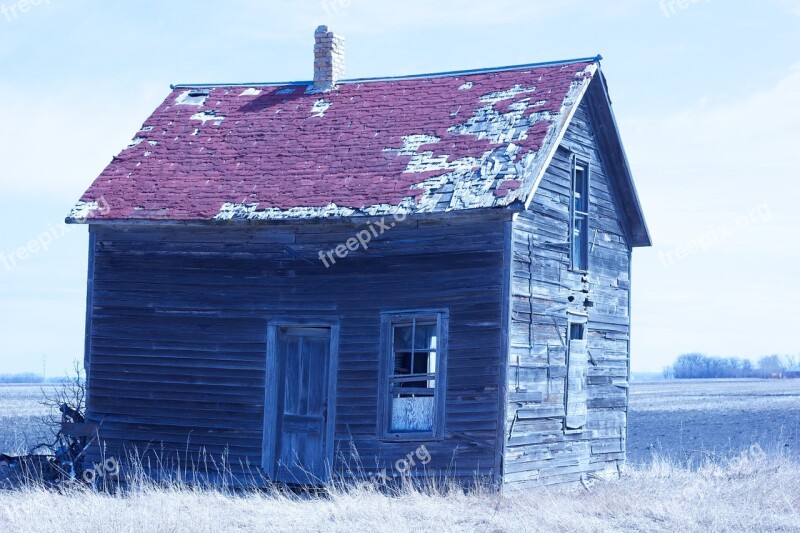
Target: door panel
577 372
304 355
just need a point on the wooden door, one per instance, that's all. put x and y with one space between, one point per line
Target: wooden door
303 354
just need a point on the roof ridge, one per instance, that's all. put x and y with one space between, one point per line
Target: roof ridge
595 59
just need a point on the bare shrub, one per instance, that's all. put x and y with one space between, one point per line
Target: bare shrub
68 398
57 461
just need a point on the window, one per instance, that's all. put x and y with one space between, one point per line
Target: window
414 375
576 332
575 394
579 235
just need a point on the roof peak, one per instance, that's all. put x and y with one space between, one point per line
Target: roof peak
595 59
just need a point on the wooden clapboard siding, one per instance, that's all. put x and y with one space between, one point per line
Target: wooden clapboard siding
178 331
539 449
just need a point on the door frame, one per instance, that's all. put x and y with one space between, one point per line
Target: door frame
272 386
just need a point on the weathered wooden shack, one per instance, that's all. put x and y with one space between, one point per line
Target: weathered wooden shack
426 275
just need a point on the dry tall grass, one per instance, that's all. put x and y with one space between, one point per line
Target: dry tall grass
745 493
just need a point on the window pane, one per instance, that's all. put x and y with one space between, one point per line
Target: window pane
421 363
580 243
577 243
584 223
581 190
576 332
403 337
432 369
412 414
402 363
418 364
425 337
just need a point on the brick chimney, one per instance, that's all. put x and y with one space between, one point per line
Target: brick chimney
328 59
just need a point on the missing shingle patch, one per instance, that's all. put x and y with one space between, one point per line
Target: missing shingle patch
205 116
192 97
319 108
497 96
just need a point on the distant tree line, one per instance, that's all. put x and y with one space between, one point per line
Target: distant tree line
697 366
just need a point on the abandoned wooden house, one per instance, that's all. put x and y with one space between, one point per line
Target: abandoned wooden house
422 275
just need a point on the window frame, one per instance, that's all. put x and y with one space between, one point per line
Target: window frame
576 163
389 320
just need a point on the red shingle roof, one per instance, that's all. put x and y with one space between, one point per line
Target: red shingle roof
419 144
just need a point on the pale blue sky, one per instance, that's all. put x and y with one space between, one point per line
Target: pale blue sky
706 96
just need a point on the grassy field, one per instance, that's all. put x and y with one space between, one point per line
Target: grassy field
744 494
725 460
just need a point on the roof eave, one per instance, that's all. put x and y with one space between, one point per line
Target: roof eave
484 212
608 132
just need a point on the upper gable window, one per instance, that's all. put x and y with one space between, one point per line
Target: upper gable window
579 224
414 385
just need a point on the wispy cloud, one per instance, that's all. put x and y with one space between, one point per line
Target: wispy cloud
793 6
